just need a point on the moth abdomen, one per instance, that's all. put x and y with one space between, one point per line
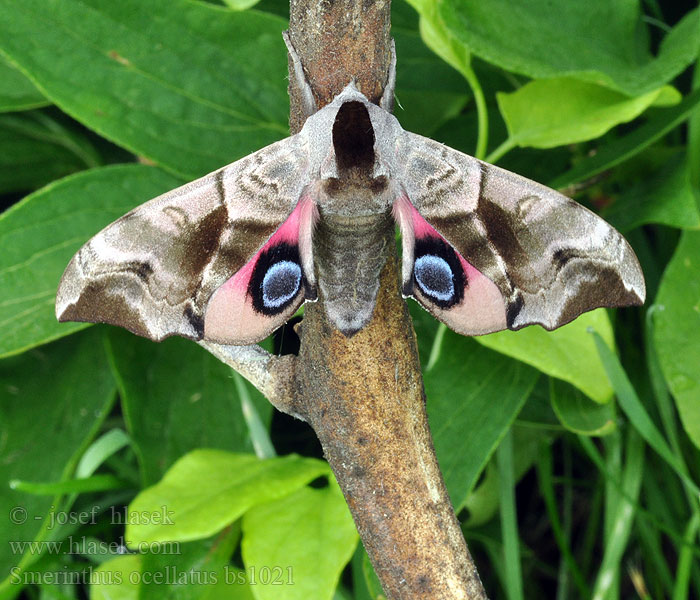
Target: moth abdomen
349 255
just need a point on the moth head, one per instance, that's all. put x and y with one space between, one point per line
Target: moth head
346 137
353 138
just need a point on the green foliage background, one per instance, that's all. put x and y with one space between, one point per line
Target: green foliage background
571 457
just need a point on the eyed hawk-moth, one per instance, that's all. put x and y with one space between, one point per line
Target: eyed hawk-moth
230 257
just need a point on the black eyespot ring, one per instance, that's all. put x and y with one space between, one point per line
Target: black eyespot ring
276 279
438 272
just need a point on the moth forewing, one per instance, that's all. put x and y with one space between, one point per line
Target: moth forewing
550 258
155 270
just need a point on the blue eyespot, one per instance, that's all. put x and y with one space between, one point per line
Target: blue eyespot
280 283
434 276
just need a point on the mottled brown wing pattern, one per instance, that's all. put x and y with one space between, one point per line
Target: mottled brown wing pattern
551 258
153 270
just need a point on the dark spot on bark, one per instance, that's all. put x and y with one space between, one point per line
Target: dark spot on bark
423 583
359 472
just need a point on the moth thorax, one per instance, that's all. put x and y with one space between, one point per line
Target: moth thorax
350 255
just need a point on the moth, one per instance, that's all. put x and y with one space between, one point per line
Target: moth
230 257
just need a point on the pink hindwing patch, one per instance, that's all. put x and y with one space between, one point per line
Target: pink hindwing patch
270 287
442 280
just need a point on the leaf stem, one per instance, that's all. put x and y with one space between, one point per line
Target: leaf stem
509 520
685 560
257 430
505 147
482 112
436 347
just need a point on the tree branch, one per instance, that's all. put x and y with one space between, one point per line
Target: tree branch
272 375
364 395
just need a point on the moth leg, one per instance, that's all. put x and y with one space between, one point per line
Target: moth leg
307 96
387 100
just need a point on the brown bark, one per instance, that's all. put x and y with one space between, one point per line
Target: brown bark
339 41
364 395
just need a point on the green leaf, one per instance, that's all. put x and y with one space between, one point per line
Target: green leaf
126 577
553 112
176 397
34 151
438 38
188 85
637 414
694 143
240 4
509 519
206 490
560 530
117 579
71 408
100 450
594 41
663 196
626 147
567 353
579 413
257 430
677 331
622 517
303 540
365 582
483 502
234 585
473 397
429 92
16 91
191 571
41 233
686 558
